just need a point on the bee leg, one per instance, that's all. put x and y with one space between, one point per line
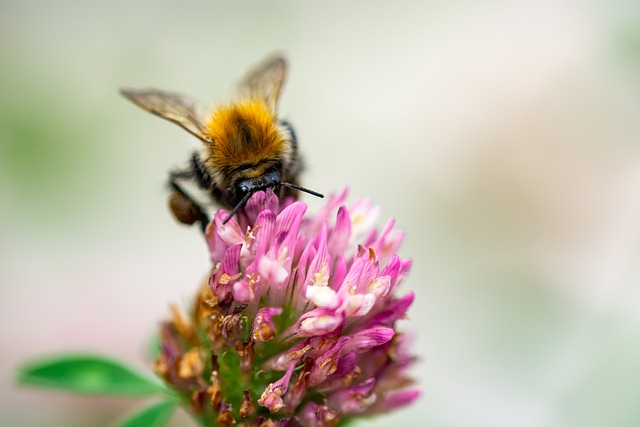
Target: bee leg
183 207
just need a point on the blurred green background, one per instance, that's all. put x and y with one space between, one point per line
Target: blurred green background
503 136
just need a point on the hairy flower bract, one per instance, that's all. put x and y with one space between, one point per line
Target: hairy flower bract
296 323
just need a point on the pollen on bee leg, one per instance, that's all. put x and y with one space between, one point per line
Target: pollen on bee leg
184 209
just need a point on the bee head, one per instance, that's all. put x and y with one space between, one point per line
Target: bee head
239 192
242 187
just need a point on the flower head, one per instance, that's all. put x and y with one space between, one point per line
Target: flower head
296 323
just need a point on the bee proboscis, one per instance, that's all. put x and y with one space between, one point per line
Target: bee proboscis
245 146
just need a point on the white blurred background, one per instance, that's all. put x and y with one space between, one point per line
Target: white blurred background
503 136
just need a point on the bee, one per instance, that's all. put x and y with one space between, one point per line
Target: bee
245 147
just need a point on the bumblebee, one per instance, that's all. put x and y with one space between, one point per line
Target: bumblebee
245 146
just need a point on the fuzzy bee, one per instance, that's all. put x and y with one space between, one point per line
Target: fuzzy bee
245 146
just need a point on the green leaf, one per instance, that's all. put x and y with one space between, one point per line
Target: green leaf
87 374
154 416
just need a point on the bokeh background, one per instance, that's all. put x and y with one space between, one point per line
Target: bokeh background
503 136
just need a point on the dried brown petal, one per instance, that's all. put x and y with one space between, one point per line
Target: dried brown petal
248 408
225 278
205 305
225 418
215 366
245 351
232 328
298 390
198 398
326 416
190 364
182 326
268 423
239 308
262 331
226 303
161 366
215 390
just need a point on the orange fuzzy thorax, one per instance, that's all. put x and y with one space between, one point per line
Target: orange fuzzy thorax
243 133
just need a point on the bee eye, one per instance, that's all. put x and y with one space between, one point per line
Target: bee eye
272 179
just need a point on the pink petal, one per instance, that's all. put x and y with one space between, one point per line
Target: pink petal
226 272
402 275
259 202
263 328
392 269
314 415
324 213
355 399
217 246
299 278
389 241
341 377
339 272
230 261
341 233
230 233
369 338
327 363
397 400
363 218
322 296
362 271
272 271
290 218
243 291
293 355
319 325
392 311
263 231
272 396
379 286
357 305
319 321
321 260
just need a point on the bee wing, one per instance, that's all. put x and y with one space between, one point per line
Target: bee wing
265 82
177 108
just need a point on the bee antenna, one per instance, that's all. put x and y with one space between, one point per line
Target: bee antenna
238 206
306 190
